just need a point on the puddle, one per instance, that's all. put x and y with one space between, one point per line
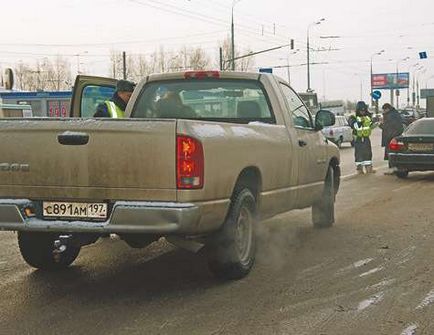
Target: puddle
375 299
429 299
371 272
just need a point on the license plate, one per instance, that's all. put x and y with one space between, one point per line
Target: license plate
81 210
420 147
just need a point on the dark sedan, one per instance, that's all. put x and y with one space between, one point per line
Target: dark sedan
414 149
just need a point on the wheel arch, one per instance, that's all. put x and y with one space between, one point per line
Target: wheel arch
250 177
334 163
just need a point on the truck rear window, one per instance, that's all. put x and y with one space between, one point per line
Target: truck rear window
239 101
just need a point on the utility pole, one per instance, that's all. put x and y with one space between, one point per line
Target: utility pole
221 58
232 41
124 64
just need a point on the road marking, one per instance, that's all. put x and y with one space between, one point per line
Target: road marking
410 330
375 299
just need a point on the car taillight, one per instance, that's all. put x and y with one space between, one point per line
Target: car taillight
331 132
201 74
189 163
396 145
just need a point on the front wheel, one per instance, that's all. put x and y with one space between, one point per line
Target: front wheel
323 211
231 251
38 251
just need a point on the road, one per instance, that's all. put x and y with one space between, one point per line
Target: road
372 273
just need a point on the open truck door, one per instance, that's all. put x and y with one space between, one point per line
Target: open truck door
88 93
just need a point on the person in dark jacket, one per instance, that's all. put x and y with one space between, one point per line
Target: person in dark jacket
392 126
115 107
362 126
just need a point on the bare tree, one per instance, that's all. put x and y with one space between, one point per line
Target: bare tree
242 64
198 59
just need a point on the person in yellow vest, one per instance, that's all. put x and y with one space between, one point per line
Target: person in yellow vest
115 107
362 126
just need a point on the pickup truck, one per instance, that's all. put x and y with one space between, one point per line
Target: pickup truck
201 170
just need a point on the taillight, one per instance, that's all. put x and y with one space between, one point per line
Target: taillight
201 74
396 145
331 132
189 163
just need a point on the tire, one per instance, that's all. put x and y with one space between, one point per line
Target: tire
339 142
323 211
402 174
231 251
37 251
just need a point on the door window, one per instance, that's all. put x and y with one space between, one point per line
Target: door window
299 113
92 96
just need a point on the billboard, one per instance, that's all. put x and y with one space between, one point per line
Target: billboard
383 81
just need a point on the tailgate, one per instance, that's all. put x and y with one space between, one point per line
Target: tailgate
88 159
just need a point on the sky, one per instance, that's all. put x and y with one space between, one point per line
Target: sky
342 46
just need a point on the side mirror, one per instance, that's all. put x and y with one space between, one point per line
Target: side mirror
324 118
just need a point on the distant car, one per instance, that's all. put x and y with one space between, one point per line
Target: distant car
340 132
408 116
414 149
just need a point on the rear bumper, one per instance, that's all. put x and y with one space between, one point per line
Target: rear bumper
412 161
126 217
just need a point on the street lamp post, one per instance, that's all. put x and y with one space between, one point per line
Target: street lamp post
308 52
397 83
234 2
372 99
408 88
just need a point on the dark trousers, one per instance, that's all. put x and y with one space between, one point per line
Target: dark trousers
363 151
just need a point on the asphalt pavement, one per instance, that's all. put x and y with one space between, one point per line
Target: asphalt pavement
371 273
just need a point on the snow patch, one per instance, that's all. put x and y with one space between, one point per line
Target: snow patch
375 299
362 262
209 130
371 272
355 265
410 330
243 131
383 283
429 299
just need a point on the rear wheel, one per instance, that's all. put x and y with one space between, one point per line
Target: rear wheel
231 251
339 142
323 211
38 251
402 174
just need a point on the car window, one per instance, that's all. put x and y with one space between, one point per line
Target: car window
239 101
299 113
92 96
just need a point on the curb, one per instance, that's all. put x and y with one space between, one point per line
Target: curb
354 175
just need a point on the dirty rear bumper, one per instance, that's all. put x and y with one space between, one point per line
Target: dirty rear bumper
125 217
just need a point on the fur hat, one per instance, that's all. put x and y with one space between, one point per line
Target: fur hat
125 86
361 106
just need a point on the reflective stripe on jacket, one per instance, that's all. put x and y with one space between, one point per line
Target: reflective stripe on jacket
114 111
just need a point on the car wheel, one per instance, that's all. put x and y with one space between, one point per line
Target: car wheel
402 174
231 251
323 211
339 142
37 250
